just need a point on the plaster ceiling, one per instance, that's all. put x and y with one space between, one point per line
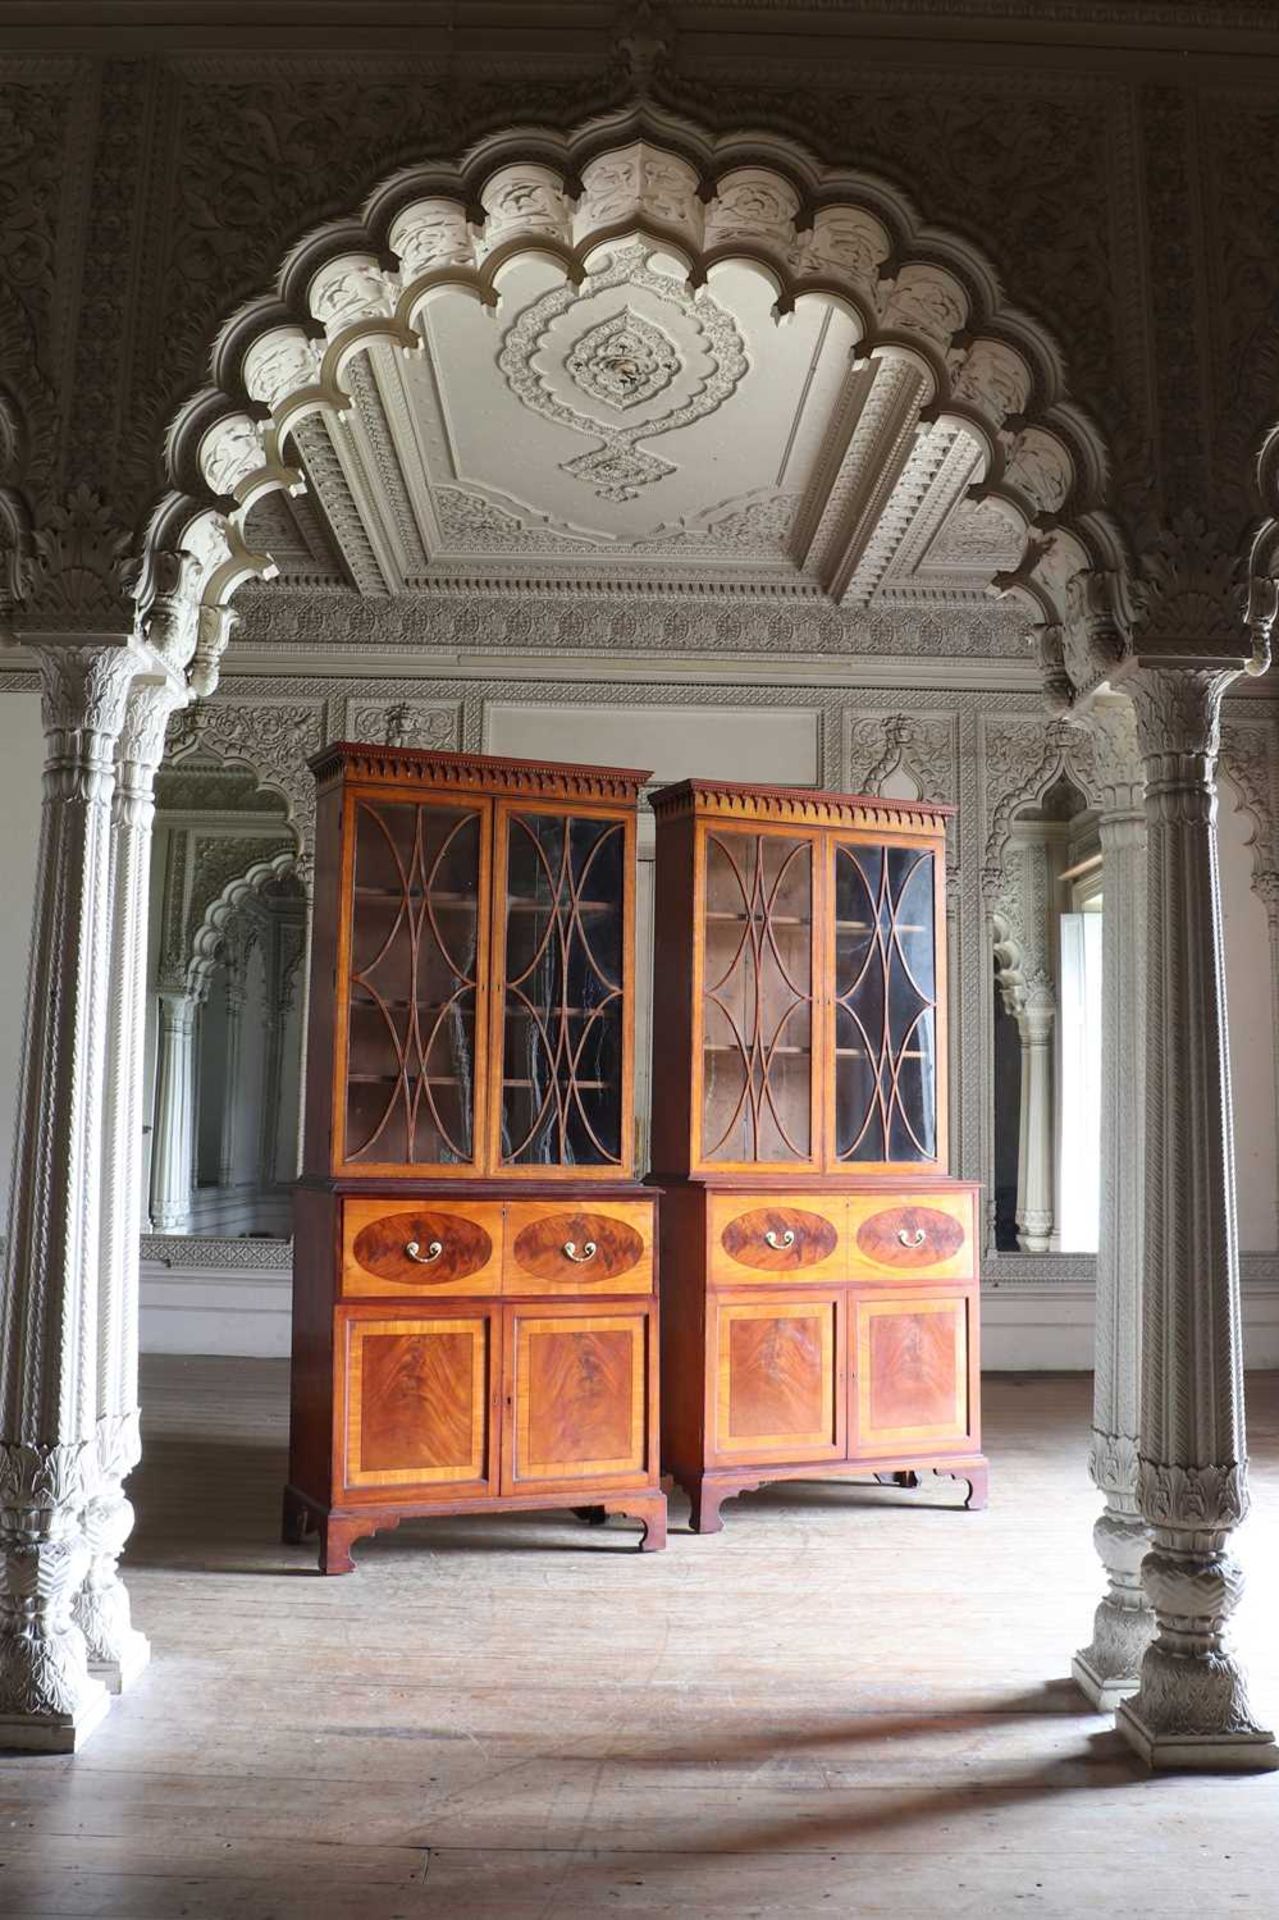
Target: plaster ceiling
633 422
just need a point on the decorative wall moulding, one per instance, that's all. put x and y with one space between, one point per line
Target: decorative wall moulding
564 621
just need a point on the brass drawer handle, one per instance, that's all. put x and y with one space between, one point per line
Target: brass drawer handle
915 1239
588 1251
780 1245
415 1252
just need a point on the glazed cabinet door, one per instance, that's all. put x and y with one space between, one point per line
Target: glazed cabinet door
779 1377
915 1387
564 960
412 973
758 1000
579 1397
887 992
420 1402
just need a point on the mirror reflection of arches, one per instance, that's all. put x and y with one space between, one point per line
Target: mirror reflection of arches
223 1044
1047 926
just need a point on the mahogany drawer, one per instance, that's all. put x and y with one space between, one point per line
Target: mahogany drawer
914 1236
578 1247
774 1238
426 1247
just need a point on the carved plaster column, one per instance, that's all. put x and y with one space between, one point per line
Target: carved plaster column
235 999
1192 1708
1036 1017
1107 1669
174 1114
49 1314
117 1651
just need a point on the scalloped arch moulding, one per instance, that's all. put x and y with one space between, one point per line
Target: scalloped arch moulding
918 298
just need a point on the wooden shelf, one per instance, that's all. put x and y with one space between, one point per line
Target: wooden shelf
762 920
401 894
804 1052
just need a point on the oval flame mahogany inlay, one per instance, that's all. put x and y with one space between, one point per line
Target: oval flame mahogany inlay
380 1248
779 1239
539 1249
910 1236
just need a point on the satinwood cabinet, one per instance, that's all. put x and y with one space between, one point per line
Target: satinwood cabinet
818 1265
475 1311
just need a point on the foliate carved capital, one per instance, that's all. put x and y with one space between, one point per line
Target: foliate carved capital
148 710
1208 1499
118 1440
42 1488
1120 777
1178 714
82 572
1193 598
1112 1462
84 695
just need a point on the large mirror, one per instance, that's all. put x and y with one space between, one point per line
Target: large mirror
1047 1028
224 1036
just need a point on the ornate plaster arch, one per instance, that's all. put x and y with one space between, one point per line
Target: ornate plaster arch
208 935
1021 760
922 299
275 738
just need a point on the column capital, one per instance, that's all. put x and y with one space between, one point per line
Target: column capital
79 581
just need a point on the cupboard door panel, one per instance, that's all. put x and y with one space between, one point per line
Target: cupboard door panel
415 1047
912 1376
419 1401
758 1000
578 1394
779 1375
773 1238
913 1236
887 997
563 1034
555 1249
427 1247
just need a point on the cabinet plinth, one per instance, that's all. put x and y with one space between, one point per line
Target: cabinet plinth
475 1308
819 1266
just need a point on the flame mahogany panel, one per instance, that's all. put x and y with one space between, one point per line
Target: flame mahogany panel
912 1372
378 1257
779 1239
910 1236
581 1395
779 1393
418 1400
540 1249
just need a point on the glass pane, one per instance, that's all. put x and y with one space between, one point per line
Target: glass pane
414 978
562 1046
757 998
886 1004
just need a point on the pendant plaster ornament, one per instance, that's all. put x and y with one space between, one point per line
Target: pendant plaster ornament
623 361
620 363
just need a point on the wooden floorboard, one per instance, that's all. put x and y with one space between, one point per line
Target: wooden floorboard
850 1702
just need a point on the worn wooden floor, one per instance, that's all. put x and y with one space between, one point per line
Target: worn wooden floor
849 1703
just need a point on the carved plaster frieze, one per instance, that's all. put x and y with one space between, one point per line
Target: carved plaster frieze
275 738
405 723
487 616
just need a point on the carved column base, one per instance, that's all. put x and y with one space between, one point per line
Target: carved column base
117 1651
1108 1670
49 1701
1192 1710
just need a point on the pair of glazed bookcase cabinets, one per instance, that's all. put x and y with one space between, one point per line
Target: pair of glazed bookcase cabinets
479 1276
